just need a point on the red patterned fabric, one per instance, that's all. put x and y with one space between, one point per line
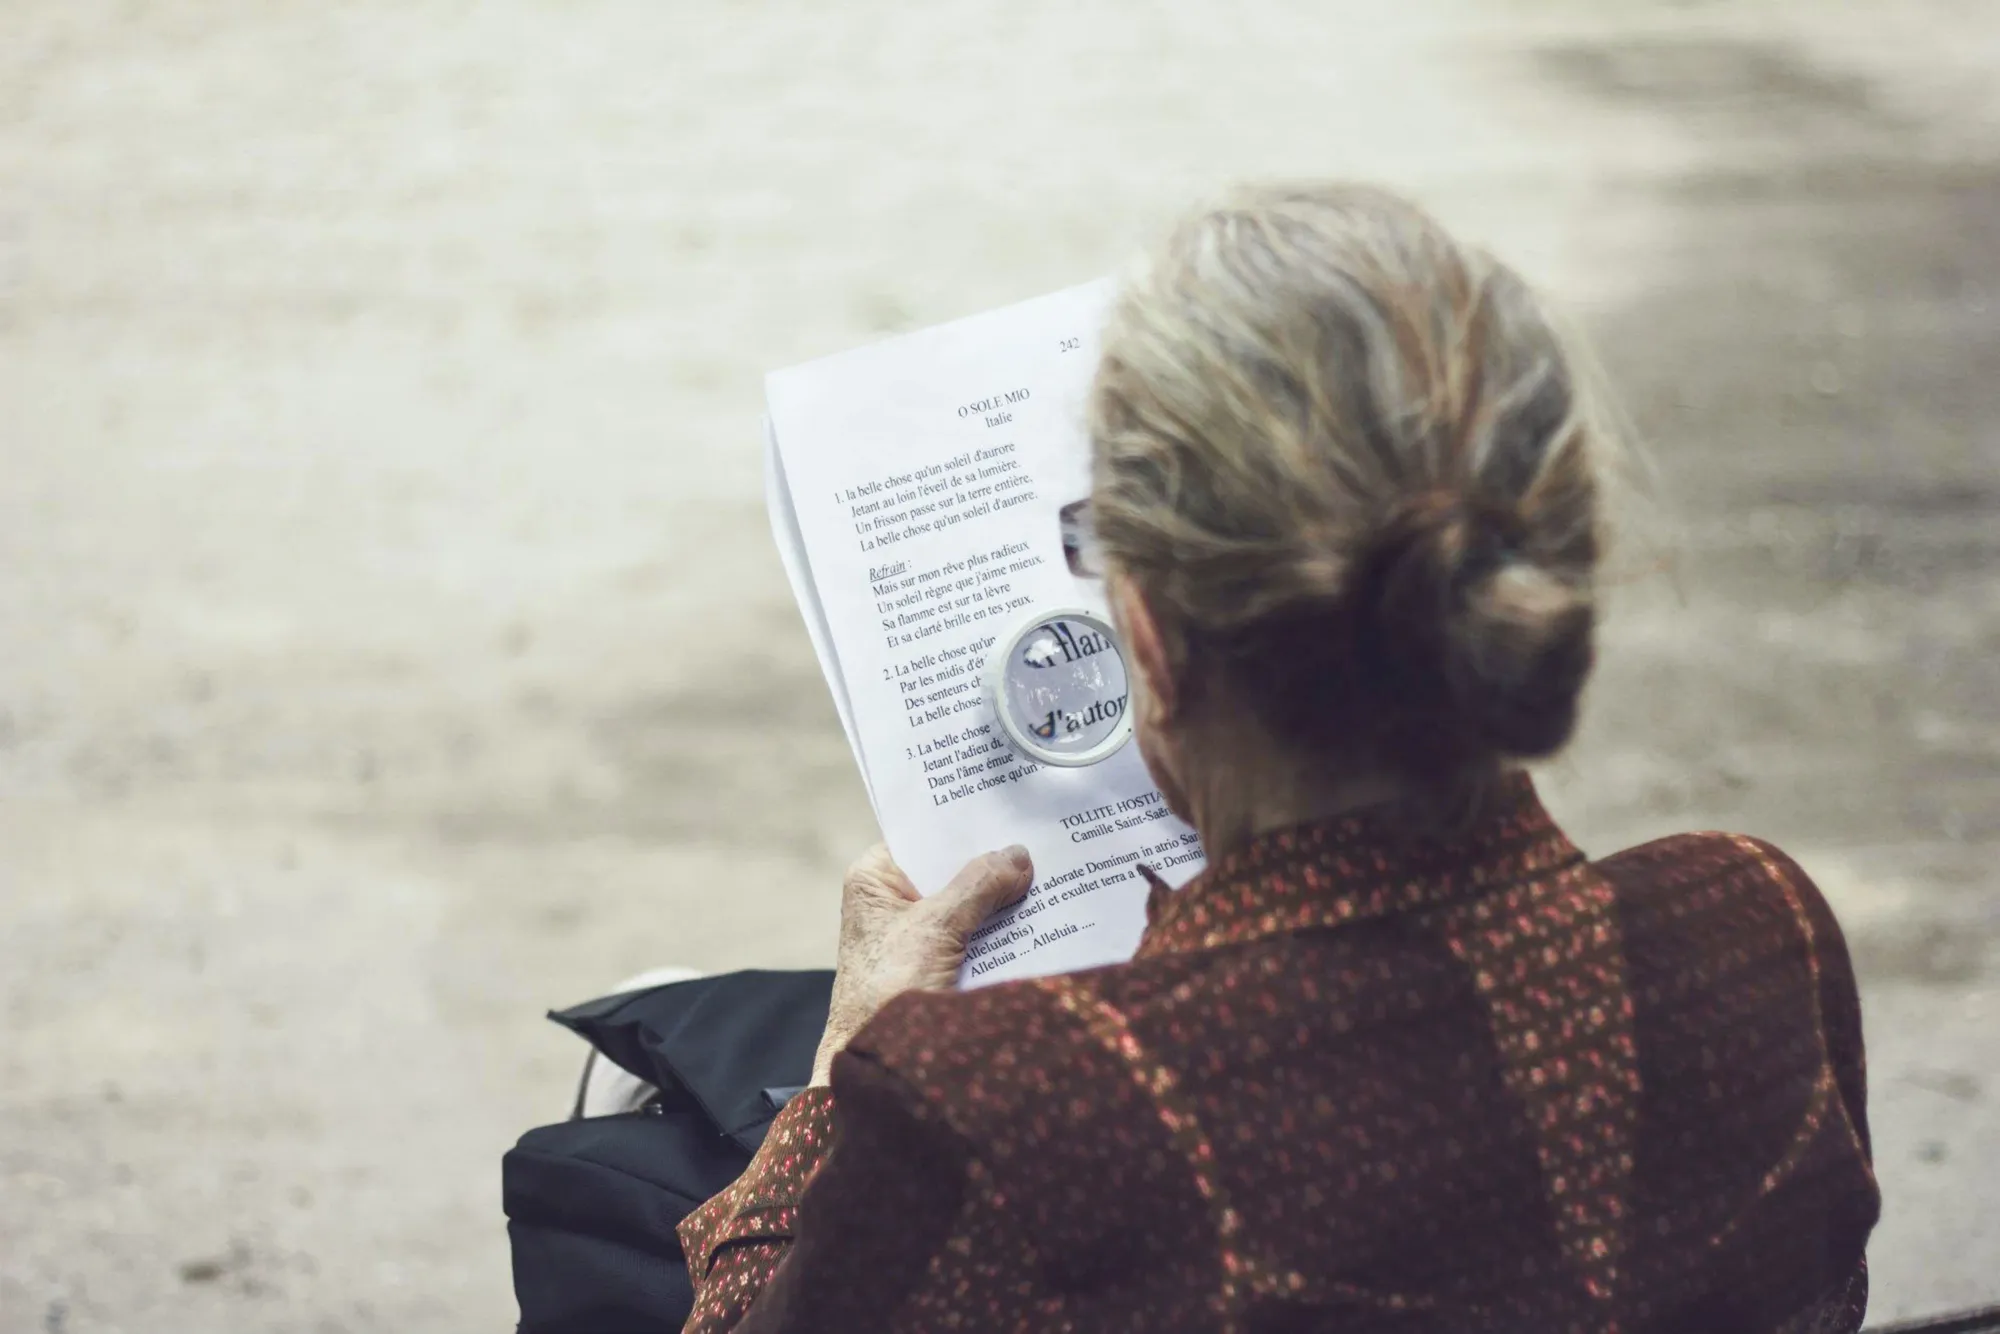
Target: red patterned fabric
1355 1079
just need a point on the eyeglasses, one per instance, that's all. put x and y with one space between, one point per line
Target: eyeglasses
1081 549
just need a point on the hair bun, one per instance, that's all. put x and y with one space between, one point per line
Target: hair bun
1353 466
1487 650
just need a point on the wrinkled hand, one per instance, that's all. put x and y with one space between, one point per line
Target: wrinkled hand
893 941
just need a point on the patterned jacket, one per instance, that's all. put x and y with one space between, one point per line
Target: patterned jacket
1353 1080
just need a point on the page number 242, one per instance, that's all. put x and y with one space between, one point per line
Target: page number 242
1069 345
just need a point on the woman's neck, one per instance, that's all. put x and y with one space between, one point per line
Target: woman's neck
1250 794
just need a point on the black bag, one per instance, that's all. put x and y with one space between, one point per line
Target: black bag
592 1204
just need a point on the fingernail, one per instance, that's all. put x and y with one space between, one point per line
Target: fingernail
1019 856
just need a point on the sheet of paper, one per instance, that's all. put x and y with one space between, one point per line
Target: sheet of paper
798 570
923 477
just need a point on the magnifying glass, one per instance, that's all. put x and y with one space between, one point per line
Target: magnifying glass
1059 688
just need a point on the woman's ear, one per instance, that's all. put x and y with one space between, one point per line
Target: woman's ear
1145 646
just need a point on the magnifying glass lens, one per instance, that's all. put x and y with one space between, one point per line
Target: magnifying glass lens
1060 690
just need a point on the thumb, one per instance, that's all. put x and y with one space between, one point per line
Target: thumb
989 882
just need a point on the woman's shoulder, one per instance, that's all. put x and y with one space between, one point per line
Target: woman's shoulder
1713 851
1710 859
1722 890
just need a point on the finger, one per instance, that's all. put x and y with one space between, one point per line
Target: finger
989 882
875 872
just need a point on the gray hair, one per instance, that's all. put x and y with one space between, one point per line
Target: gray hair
1350 465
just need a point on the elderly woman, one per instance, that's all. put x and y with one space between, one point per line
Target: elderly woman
1403 1057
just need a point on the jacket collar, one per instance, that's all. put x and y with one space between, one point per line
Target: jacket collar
1354 868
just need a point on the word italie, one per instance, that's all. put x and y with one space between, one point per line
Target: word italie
994 410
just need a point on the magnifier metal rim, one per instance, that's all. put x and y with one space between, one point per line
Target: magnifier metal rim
996 682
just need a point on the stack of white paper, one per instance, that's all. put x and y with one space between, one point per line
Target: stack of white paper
914 488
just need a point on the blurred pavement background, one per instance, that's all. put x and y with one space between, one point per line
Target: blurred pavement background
392 646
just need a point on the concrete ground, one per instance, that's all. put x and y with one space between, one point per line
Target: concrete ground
391 645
